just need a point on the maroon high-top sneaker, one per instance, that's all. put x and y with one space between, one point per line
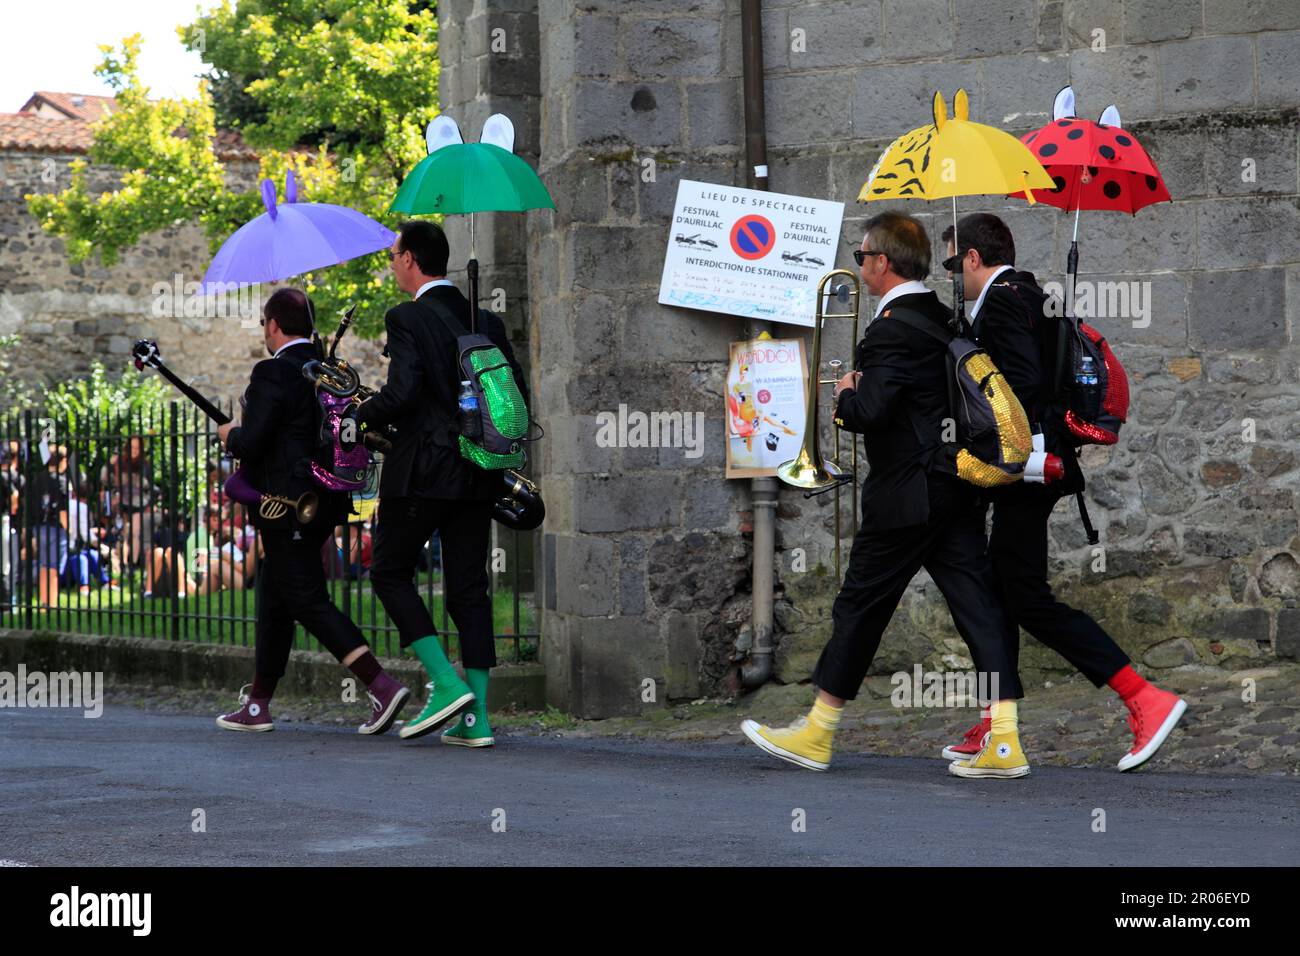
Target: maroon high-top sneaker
387 697
253 715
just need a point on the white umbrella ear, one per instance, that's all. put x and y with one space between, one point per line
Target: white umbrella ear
443 131
1110 116
499 131
1063 108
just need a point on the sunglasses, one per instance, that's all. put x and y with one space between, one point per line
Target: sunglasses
952 262
394 254
859 255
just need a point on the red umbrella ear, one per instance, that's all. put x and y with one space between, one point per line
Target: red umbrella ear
1110 116
1063 107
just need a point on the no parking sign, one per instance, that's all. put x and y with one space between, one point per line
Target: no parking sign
749 253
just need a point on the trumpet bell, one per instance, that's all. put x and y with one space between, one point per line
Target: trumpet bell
306 507
806 472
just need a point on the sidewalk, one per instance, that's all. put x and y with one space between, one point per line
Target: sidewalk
1069 724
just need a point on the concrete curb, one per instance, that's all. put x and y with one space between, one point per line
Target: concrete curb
142 660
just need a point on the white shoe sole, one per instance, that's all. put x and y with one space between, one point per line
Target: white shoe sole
951 753
244 728
395 705
434 721
468 742
750 729
1131 761
958 769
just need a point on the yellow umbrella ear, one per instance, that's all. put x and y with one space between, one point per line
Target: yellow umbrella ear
960 106
940 110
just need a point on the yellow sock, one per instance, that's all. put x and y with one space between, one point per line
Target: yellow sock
1003 713
824 716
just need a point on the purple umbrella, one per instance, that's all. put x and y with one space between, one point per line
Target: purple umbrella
293 238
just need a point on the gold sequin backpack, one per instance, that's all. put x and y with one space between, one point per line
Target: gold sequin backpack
992 431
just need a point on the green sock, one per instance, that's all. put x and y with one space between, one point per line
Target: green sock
477 678
429 651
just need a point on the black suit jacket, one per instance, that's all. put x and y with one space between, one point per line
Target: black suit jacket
899 408
420 400
1022 343
276 439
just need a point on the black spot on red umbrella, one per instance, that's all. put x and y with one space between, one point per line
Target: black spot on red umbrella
1047 149
1111 189
1123 140
1074 134
1106 152
1152 183
1064 122
1032 136
1060 184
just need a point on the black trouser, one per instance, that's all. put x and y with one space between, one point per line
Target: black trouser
1018 550
291 587
951 546
404 528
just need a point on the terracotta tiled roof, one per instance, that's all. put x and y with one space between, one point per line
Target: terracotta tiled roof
81 106
28 132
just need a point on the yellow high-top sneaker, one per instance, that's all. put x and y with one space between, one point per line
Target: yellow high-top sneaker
806 742
1001 756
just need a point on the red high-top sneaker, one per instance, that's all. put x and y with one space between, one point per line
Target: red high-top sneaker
971 742
1153 713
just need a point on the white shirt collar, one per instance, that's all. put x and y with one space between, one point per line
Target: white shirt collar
910 287
430 284
975 309
290 344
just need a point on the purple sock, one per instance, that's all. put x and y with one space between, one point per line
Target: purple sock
263 687
366 667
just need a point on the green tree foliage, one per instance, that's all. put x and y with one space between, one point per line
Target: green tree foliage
338 91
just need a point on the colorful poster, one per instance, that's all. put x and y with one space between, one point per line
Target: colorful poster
749 253
766 404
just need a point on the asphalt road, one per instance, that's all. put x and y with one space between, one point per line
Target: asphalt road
123 789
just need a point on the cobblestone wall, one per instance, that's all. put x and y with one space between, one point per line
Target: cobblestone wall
647 551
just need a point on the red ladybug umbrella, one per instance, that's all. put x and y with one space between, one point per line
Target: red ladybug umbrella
1096 166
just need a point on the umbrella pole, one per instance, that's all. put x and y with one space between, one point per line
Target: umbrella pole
472 269
958 287
1072 263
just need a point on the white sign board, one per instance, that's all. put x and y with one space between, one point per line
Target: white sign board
749 253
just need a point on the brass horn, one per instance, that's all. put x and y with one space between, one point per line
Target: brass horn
811 471
275 507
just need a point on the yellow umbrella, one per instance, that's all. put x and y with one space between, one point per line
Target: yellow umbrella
954 157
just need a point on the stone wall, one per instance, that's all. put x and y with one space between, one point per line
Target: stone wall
646 552
69 315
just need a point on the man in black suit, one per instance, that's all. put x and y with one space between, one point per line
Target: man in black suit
426 485
275 443
1009 321
915 511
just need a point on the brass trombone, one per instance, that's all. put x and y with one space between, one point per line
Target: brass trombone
810 470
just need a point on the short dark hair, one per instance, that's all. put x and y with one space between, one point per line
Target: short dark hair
903 241
427 244
986 234
291 310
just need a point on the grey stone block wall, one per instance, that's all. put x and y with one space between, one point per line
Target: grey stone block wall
647 552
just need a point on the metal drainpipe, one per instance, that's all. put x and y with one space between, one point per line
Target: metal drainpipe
763 491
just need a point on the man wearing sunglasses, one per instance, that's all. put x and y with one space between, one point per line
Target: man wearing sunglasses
426 485
914 513
1009 322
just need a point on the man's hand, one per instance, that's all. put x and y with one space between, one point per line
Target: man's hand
223 432
848 381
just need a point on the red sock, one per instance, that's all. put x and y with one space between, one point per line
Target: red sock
263 687
1127 682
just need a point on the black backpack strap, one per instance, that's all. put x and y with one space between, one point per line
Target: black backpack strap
917 321
1093 537
449 319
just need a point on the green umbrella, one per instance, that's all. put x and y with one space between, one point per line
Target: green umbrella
460 177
